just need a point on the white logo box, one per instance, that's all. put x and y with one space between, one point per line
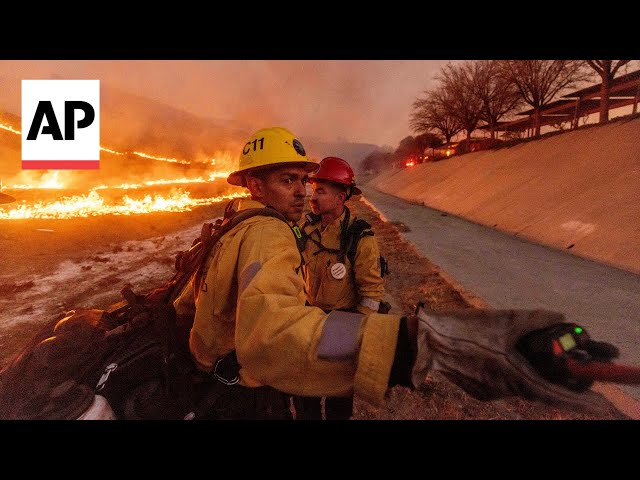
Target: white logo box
56 115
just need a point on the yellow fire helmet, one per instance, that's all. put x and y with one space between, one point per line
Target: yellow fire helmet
270 146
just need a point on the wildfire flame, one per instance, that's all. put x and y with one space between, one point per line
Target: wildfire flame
162 159
95 204
10 128
48 180
51 180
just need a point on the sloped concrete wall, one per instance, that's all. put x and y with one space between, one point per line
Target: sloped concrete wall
579 189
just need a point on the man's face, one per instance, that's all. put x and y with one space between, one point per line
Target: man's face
326 197
284 189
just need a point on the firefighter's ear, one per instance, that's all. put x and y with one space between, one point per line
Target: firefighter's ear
255 185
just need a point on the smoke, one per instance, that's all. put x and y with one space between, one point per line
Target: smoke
198 114
366 101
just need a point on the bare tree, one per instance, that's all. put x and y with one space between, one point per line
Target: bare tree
461 102
497 93
607 69
540 81
431 113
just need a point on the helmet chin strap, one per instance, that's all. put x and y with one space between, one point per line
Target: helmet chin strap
349 193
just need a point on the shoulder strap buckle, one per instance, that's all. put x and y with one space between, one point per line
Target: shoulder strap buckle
226 369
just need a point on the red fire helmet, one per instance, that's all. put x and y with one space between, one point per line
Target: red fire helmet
337 170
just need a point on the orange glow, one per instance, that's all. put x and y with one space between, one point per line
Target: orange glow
162 159
51 179
165 199
9 128
93 204
111 151
4 126
410 163
149 183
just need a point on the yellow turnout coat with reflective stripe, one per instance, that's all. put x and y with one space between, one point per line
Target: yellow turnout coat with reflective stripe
360 287
251 299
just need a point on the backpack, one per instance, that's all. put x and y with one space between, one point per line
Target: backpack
134 354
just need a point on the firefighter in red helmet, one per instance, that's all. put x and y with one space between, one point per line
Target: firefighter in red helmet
337 171
335 281
343 268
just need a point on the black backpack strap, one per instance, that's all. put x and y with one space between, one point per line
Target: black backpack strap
358 229
344 236
230 220
322 248
268 211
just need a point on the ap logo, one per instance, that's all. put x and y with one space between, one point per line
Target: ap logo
60 124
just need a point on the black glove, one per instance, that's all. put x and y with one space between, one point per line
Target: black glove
550 349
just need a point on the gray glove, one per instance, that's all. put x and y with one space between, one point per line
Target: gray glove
476 350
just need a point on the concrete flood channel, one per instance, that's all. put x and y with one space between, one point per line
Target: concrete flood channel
508 272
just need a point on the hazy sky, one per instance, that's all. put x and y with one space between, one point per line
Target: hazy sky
367 101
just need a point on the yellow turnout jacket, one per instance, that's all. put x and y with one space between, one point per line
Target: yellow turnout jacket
252 299
359 288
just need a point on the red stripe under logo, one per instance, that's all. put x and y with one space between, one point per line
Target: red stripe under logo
60 164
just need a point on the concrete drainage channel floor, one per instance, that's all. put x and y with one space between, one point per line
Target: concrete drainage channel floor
507 272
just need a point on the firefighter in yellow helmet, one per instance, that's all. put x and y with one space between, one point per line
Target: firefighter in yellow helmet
260 343
343 268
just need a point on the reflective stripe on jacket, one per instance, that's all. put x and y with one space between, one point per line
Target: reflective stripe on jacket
252 300
361 288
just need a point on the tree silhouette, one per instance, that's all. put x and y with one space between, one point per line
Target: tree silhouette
498 95
607 70
432 113
462 103
539 81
